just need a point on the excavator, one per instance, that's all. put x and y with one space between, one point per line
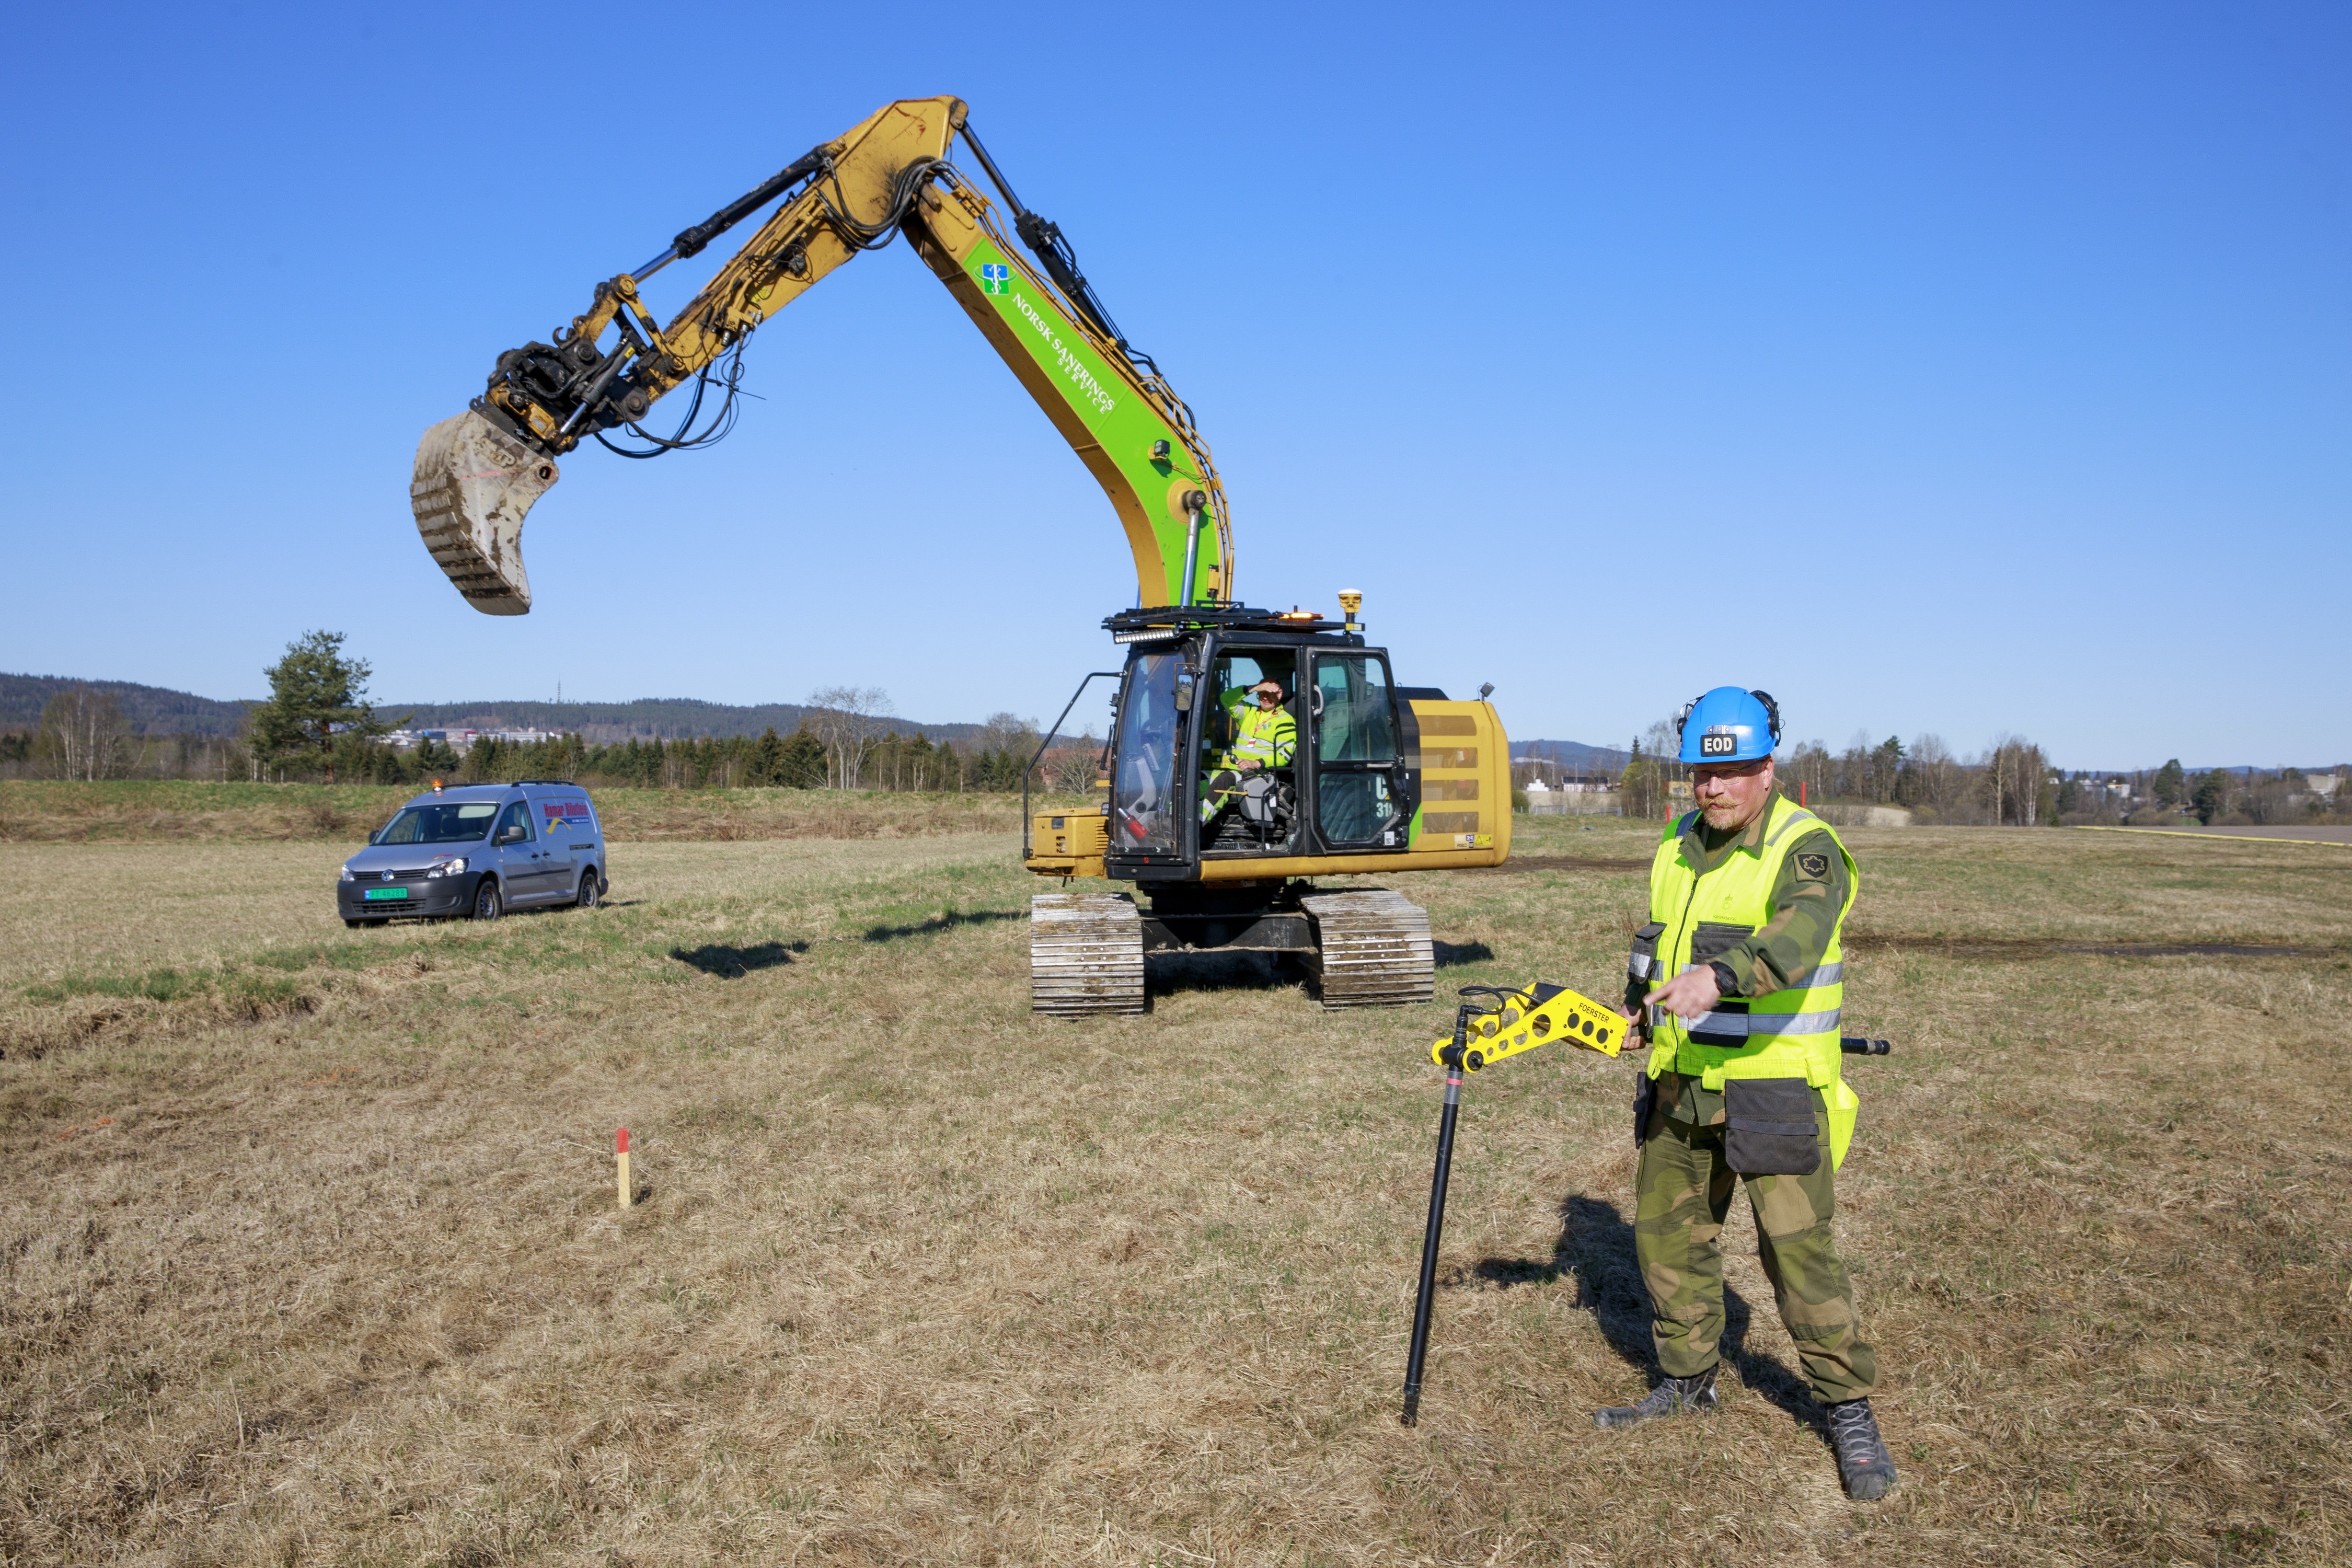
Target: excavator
1381 778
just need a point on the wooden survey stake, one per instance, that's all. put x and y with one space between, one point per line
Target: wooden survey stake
628 1192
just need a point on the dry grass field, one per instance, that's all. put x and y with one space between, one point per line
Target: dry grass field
308 1252
178 811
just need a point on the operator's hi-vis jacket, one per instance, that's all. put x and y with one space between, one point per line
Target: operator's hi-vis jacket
1695 918
1264 736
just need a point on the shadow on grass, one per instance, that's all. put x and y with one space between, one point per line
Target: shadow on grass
945 920
1165 973
1596 1249
1454 954
727 962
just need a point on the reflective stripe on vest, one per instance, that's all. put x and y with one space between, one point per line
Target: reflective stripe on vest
1641 968
1741 1026
1265 737
1785 1034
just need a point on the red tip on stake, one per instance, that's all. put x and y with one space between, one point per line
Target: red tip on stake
624 1140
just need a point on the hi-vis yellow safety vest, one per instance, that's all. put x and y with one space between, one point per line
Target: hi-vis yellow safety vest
1266 738
1783 1033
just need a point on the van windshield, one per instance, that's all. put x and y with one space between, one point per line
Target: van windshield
450 822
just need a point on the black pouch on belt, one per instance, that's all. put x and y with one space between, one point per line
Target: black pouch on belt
1641 964
1768 1126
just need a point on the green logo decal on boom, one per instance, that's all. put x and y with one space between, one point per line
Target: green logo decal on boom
995 278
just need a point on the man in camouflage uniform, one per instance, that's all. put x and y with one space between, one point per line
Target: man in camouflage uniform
1694 1148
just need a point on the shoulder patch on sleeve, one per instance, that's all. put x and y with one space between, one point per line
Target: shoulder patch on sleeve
1812 867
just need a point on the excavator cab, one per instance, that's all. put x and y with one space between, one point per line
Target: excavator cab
1381 778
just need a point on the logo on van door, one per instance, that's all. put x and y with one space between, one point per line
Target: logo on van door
565 813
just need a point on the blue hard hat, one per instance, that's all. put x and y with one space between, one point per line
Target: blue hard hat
1728 725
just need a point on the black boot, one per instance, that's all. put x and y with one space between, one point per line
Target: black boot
1864 1464
1672 1397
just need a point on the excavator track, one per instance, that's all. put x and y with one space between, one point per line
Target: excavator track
1085 955
1373 949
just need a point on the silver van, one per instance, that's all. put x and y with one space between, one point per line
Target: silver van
478 850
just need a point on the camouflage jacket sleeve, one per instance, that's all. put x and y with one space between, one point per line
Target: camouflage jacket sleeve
1805 905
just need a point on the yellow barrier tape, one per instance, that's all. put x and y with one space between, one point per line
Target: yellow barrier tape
2232 837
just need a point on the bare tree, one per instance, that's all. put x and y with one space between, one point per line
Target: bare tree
849 722
82 735
1934 775
1810 766
1008 733
1069 769
2014 774
1641 788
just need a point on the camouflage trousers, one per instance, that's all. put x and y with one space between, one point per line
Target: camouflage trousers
1682 1197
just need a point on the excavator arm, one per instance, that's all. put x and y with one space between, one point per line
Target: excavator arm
476 475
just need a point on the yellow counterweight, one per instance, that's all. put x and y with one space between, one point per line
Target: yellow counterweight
1536 1017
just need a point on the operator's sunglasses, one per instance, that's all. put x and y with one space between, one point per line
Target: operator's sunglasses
1730 770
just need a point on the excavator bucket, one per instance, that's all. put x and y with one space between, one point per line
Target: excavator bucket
472 484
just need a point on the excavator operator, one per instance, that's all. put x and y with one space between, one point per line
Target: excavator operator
1264 736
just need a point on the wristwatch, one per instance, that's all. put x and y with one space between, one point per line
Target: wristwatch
1725 981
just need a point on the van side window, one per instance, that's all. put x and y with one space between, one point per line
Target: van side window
515 815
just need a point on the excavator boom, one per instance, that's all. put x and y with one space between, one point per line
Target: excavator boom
478 474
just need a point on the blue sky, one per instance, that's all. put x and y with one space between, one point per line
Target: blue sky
1964 369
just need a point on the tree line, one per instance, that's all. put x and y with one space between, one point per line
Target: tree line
2011 783
2218 797
319 725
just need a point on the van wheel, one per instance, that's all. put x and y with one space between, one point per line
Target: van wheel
488 906
589 893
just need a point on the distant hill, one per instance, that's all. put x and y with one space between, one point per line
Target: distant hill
158 711
150 709
648 718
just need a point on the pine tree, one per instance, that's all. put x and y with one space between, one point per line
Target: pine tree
2212 796
801 764
317 697
768 758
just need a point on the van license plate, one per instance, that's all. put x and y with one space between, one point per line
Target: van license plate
387 892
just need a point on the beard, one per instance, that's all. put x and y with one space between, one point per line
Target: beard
1722 814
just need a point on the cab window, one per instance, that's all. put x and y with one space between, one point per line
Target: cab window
1355 748
1231 676
1144 796
1357 722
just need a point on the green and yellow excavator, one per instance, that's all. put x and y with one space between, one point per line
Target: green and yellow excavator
1382 777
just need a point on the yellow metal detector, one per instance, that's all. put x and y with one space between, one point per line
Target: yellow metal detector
1526 1019
1489 1025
